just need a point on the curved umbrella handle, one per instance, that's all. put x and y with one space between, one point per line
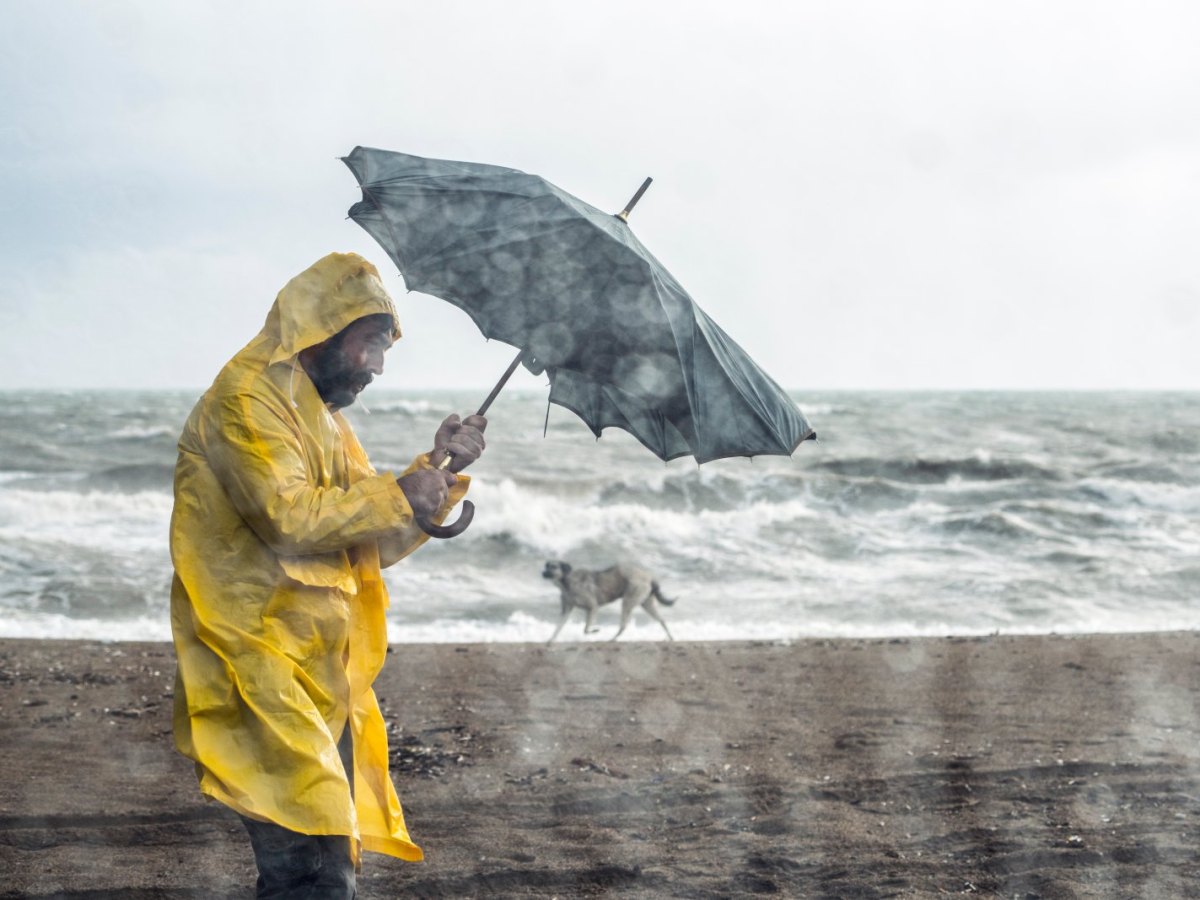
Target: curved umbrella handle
452 530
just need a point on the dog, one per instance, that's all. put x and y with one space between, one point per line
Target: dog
591 589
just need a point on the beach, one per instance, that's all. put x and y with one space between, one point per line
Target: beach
1030 767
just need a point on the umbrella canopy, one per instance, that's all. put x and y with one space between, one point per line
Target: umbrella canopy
570 286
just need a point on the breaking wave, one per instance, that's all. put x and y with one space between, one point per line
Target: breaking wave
915 514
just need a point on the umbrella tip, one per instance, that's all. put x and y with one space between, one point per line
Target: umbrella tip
623 215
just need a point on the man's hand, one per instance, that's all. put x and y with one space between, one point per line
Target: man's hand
426 490
462 440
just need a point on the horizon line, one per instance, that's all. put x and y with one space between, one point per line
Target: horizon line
532 390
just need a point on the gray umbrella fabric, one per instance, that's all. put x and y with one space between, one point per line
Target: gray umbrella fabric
573 288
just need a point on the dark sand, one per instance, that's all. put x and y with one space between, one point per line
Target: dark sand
1004 767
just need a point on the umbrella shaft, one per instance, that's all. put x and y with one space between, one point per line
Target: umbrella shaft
482 411
512 367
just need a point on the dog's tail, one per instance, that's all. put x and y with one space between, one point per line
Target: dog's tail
658 594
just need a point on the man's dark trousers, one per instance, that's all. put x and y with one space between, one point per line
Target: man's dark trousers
294 866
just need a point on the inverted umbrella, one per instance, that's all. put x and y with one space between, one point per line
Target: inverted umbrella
581 298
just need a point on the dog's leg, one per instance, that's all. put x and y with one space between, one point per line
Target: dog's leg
627 606
565 604
648 606
589 626
561 622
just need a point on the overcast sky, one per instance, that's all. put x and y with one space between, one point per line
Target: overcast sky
886 195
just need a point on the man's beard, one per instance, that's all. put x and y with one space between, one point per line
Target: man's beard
336 379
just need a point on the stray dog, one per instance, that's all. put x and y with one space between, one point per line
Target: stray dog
590 590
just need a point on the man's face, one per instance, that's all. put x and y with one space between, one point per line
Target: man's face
349 361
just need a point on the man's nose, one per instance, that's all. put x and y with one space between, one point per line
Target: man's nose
375 362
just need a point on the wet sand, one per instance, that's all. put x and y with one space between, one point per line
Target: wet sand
1026 767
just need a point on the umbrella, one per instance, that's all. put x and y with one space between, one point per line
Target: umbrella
580 297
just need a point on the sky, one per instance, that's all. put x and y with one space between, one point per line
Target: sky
884 195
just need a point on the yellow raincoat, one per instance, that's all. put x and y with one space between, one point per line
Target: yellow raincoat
279 530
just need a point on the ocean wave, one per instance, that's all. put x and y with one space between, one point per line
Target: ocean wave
112 595
1152 495
33 454
919 470
1072 518
822 409
553 525
1160 473
60 627
864 495
141 432
18 475
918 514
699 490
133 478
1175 441
995 524
523 628
129 522
1085 561
404 407
47 576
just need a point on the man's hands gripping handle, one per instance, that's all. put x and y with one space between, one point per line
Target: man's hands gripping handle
457 444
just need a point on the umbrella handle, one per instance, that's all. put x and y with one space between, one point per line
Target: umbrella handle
454 529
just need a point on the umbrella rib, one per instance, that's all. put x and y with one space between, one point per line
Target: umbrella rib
386 221
755 401
688 376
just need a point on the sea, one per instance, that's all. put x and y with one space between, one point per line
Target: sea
931 513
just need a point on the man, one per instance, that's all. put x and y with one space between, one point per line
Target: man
279 531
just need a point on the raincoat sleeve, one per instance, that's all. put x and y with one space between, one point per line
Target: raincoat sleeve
257 453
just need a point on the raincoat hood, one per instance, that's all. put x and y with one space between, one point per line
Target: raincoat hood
322 300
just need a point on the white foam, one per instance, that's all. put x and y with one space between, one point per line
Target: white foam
408 407
521 627
18 476
18 624
556 525
97 520
137 432
1154 495
821 409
